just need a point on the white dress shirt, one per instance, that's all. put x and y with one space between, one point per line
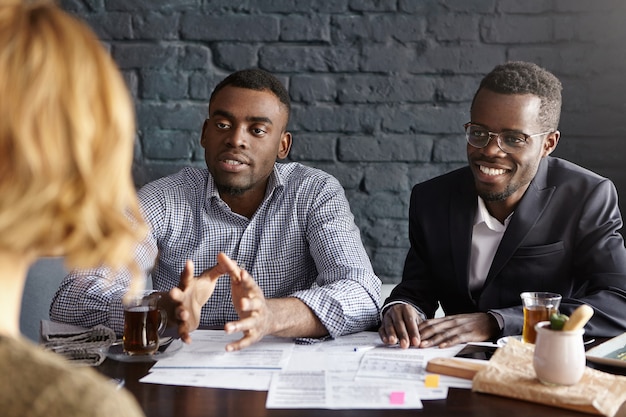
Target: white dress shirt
486 237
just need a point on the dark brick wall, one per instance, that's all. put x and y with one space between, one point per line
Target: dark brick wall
380 88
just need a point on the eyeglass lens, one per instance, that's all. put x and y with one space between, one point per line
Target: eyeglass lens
509 142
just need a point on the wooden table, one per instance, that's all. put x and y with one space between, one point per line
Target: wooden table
168 401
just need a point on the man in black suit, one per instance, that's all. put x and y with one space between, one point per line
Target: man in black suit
514 220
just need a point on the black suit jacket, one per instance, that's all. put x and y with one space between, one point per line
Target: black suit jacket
563 237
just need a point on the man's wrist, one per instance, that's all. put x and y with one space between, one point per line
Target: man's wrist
386 307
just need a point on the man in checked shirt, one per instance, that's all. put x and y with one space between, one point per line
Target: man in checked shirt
283 232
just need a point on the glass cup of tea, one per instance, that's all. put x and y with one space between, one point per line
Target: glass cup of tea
538 306
143 323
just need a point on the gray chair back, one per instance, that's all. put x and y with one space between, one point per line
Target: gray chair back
43 280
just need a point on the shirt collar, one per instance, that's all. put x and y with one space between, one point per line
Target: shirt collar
482 215
275 181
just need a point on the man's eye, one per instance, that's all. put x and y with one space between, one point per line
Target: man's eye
514 139
258 131
479 133
220 125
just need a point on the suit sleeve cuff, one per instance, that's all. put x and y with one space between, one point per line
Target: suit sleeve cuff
498 318
386 307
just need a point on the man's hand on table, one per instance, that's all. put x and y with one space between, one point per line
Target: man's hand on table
403 325
460 328
400 326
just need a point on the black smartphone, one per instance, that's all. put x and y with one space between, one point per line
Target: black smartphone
476 352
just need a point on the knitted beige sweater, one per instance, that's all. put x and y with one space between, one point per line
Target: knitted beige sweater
34 383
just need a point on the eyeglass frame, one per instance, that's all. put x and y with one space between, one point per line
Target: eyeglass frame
498 135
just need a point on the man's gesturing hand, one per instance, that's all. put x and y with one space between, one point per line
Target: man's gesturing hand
186 301
255 316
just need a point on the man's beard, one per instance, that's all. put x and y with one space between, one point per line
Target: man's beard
495 196
230 190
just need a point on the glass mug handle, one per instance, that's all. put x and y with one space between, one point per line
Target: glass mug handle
163 322
154 300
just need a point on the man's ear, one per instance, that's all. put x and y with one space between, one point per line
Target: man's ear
284 146
203 134
550 143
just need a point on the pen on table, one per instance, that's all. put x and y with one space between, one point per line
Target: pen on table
363 348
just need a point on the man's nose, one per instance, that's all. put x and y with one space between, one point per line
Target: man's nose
238 137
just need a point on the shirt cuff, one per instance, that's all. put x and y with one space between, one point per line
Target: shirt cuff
498 318
312 340
386 307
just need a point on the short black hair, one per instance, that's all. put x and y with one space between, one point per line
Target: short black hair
518 77
256 79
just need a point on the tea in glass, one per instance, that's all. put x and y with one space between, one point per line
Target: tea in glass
538 306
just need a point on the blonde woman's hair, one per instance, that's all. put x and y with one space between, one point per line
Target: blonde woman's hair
66 142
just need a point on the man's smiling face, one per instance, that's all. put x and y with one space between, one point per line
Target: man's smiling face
500 176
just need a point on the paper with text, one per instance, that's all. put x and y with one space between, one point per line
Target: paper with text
335 390
208 351
359 357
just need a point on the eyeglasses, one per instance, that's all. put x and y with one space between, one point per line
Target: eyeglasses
508 141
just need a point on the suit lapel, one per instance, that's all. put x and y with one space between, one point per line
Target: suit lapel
529 210
462 211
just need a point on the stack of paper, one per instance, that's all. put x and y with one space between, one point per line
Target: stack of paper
353 371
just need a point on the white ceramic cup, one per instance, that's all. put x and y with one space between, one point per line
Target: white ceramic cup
559 357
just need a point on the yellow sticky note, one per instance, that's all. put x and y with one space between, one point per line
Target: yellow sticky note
431 381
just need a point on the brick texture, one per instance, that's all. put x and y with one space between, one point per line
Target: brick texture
380 88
